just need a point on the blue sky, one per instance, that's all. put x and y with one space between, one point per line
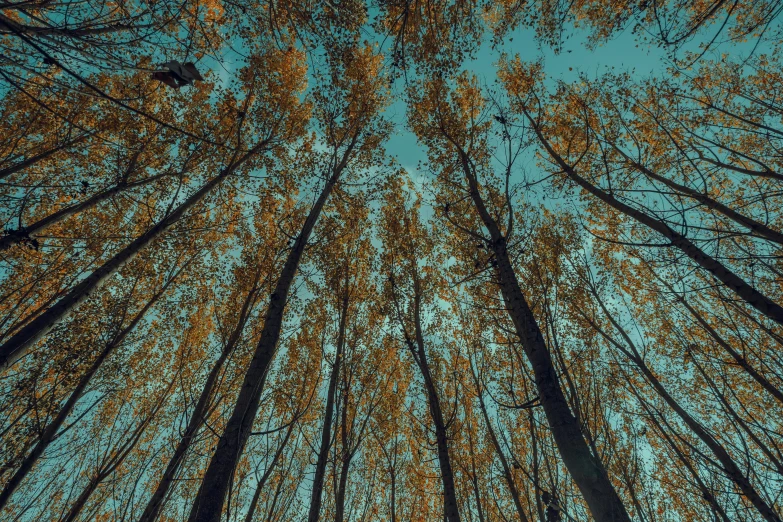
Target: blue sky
620 53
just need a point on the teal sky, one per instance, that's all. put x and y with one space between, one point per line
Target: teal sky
620 53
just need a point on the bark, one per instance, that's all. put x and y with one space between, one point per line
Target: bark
17 236
729 467
512 487
587 471
208 504
393 496
326 429
21 342
739 286
32 160
78 33
50 432
450 507
200 412
262 481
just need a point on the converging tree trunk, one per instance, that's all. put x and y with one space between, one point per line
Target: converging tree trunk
50 433
208 504
20 343
736 284
585 468
201 410
326 427
727 463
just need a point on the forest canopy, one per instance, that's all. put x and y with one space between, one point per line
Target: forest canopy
395 260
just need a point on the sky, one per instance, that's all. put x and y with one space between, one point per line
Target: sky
621 53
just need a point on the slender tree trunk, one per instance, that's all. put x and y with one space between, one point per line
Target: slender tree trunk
512 487
108 467
23 233
262 481
200 412
326 428
585 468
738 285
393 496
536 466
741 361
707 493
451 506
208 504
739 421
19 344
474 475
50 432
32 160
729 467
339 497
751 224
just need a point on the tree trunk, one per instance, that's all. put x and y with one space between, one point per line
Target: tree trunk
729 467
741 361
41 156
208 504
474 475
200 412
512 487
754 226
451 506
339 497
50 432
19 344
262 481
707 494
585 468
738 285
326 429
23 233
108 467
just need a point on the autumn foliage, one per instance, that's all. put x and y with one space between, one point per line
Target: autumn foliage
234 295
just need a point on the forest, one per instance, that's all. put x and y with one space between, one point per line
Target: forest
391 260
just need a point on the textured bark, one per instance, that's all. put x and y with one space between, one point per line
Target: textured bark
69 33
339 497
587 471
326 427
739 286
474 476
507 475
49 434
729 467
200 412
19 344
209 501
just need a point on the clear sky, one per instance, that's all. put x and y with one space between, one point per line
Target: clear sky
621 52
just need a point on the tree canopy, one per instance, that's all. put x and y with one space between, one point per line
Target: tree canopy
395 260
